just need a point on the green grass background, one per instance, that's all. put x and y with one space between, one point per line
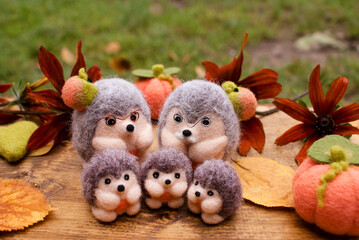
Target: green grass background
194 30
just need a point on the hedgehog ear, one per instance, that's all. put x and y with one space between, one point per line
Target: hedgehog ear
78 93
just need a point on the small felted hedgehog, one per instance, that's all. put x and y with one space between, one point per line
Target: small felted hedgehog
198 119
166 175
110 114
216 191
111 184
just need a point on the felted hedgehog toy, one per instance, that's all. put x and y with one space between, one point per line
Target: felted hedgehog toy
111 184
198 119
166 175
216 191
109 114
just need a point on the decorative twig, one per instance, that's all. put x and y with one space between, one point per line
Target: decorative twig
27 112
274 110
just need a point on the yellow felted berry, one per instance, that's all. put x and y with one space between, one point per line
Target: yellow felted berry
244 101
14 138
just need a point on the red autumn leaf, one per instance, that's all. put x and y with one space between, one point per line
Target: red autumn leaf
6 118
5 87
94 73
48 131
295 133
80 61
267 91
61 136
255 133
3 100
315 91
51 98
244 144
52 68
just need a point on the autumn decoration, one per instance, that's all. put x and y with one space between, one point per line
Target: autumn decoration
265 182
156 85
21 205
326 119
244 94
57 127
326 186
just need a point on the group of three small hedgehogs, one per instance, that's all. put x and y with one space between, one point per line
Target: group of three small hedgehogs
198 131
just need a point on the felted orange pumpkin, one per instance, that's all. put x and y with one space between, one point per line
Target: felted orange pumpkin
326 186
156 85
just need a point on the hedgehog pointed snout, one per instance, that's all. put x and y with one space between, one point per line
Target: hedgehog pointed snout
198 194
168 182
186 133
121 188
130 128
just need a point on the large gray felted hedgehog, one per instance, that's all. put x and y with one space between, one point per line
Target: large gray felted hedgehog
199 119
216 191
111 184
109 114
165 176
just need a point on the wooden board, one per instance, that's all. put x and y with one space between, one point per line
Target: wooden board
58 175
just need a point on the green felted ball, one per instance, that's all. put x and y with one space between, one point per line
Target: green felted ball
14 138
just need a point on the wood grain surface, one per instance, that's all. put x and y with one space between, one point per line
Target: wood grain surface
58 175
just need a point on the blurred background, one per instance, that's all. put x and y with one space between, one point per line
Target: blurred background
290 37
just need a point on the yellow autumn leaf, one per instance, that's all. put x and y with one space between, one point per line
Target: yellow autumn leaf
21 205
265 181
41 151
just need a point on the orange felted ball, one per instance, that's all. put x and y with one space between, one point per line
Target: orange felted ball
156 85
156 92
327 192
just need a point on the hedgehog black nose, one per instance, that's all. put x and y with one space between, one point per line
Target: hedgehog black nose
168 182
197 194
130 128
187 133
121 188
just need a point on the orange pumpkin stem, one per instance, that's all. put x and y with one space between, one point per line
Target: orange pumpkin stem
338 165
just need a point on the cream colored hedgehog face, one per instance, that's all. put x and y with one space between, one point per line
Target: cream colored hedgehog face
202 140
203 199
119 186
166 186
132 133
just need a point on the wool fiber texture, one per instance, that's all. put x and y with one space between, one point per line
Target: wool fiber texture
167 160
219 175
197 98
105 163
114 97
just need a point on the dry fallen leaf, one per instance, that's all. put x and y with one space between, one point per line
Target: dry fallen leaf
67 56
120 64
21 205
265 181
41 151
173 56
113 47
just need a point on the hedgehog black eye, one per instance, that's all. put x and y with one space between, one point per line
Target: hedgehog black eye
156 174
134 116
178 118
126 177
177 175
196 183
206 121
107 181
110 121
210 193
